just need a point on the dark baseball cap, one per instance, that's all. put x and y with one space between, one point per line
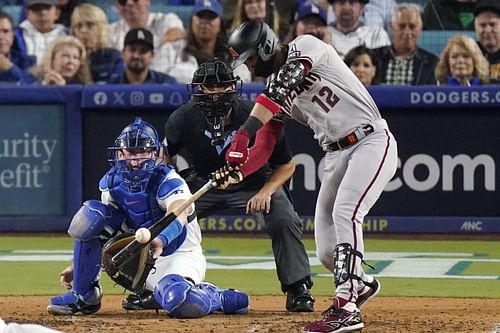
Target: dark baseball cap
139 35
487 5
30 3
310 9
364 2
207 5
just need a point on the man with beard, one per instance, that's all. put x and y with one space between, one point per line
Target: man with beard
404 63
138 53
310 19
348 30
487 26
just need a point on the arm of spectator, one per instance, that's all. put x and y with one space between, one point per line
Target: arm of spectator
10 72
261 201
173 34
5 63
53 78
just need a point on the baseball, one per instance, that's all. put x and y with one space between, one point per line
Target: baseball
142 235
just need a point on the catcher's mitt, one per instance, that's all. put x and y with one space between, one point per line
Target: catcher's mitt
133 273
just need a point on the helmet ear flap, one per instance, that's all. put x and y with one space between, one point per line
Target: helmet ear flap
266 50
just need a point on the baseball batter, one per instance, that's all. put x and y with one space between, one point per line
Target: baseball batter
311 84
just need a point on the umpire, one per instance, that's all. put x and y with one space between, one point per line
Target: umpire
202 131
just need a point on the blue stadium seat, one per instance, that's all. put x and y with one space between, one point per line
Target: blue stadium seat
420 2
434 41
14 11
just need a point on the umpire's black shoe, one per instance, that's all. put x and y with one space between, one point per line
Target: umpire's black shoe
144 301
299 298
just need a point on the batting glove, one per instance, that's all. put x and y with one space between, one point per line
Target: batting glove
226 176
237 154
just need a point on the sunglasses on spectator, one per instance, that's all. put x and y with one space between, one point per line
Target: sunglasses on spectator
124 2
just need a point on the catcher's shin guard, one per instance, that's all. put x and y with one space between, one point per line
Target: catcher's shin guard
183 299
231 301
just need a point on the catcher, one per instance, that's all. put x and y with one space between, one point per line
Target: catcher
136 192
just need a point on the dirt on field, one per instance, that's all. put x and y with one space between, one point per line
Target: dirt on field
383 314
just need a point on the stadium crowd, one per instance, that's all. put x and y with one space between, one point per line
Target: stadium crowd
58 42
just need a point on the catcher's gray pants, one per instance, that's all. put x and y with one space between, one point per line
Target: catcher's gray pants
282 224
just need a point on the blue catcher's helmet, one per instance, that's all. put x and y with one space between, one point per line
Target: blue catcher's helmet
135 154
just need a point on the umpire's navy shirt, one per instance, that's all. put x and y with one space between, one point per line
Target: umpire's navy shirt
187 132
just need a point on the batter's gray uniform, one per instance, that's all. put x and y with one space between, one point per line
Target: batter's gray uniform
336 106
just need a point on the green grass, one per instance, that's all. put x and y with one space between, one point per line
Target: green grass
42 278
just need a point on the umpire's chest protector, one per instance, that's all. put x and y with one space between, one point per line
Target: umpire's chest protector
140 208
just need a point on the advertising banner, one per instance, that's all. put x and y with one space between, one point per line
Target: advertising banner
32 175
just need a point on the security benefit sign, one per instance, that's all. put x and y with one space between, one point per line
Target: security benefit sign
32 160
448 163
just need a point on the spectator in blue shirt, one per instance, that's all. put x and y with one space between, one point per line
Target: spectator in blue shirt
138 53
13 64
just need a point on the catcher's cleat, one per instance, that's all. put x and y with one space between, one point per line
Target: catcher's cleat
299 298
369 291
72 303
336 320
144 301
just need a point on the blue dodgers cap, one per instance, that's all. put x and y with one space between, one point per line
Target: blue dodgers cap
30 3
309 9
207 5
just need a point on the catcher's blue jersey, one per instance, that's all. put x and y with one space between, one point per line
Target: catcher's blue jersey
142 209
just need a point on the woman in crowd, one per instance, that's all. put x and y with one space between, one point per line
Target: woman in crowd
363 63
256 10
462 64
89 24
65 62
206 38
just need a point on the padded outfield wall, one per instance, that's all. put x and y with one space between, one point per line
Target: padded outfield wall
54 139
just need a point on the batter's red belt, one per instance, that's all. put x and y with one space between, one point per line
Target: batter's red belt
351 138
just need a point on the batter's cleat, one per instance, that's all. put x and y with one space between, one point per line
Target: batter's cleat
72 303
369 291
144 301
299 298
336 320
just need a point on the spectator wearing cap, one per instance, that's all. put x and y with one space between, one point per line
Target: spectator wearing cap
487 27
89 24
206 38
403 62
39 30
449 15
165 27
13 64
138 52
310 19
348 31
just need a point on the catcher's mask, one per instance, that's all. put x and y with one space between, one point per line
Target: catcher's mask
214 88
135 154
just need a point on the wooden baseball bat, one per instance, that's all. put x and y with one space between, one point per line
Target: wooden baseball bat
134 247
